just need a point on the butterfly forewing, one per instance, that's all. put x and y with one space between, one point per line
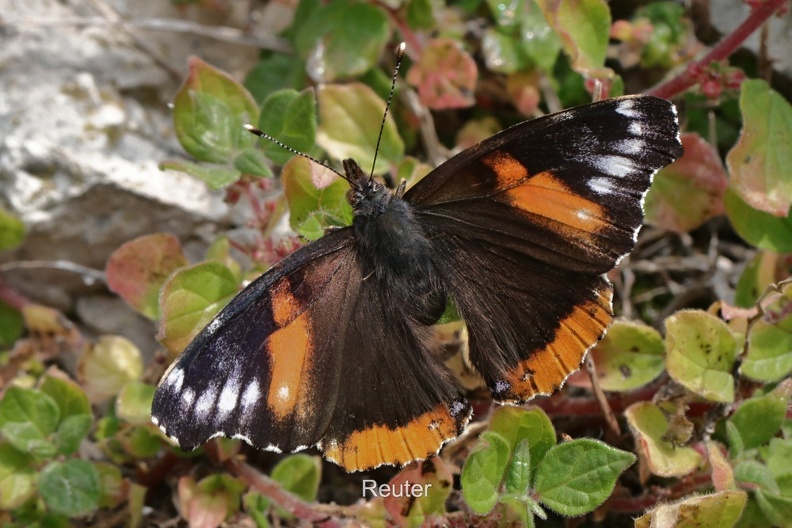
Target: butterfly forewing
525 223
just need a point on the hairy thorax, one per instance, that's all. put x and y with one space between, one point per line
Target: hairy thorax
395 250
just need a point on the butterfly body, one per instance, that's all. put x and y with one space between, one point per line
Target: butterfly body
333 346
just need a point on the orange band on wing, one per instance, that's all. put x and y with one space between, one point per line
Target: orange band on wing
546 196
377 445
509 170
289 350
546 369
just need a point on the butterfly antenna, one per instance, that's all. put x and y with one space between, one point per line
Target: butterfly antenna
399 57
259 133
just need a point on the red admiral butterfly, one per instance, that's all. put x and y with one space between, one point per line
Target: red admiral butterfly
333 346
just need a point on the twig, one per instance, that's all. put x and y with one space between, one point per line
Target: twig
89 275
721 51
273 491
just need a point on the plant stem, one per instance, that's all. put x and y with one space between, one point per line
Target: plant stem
721 51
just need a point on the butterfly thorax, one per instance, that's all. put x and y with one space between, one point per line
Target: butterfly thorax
393 247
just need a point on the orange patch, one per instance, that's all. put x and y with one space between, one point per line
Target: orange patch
545 370
289 349
546 196
419 439
284 305
511 172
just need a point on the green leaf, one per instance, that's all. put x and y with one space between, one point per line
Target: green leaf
584 29
769 356
113 491
777 508
650 427
539 42
12 325
700 354
420 14
762 270
68 395
137 270
313 209
299 474
134 402
256 505
27 418
274 73
70 488
142 442
483 472
761 229
71 432
214 176
108 365
759 162
777 455
349 121
717 510
209 111
12 230
631 355
516 425
17 477
690 191
190 299
758 419
342 39
752 472
290 117
518 472
253 162
577 476
503 52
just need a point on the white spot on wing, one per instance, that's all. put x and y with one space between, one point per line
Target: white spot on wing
636 128
205 401
614 165
630 146
601 185
188 396
228 396
626 107
283 392
175 379
250 397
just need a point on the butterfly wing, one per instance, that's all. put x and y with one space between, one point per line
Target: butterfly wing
310 353
525 224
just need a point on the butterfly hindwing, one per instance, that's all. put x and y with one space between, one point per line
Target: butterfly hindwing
525 224
310 353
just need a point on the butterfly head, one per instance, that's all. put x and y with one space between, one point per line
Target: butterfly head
368 196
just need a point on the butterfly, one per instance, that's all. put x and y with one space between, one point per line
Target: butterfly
333 346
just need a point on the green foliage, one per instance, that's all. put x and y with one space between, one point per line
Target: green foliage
571 478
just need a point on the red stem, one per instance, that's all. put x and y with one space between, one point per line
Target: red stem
721 51
11 297
684 487
273 491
